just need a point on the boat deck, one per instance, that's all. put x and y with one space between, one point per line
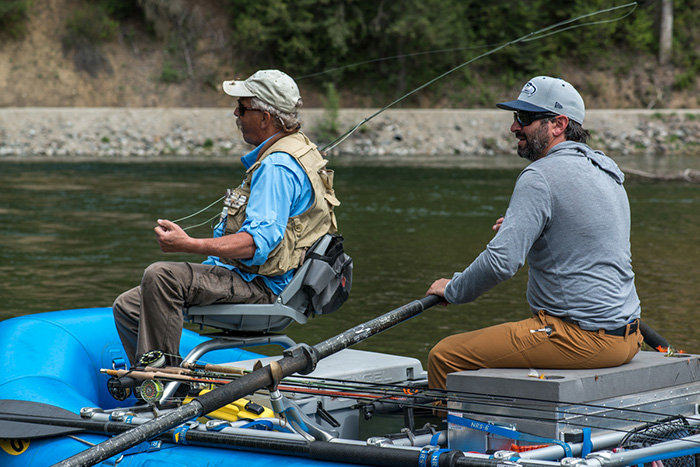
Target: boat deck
556 403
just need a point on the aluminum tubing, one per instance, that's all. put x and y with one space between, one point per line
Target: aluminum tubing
119 443
687 446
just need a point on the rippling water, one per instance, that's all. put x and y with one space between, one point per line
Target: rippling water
75 235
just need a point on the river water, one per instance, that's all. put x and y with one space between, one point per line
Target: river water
75 235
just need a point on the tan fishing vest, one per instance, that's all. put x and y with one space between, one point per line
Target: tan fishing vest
302 230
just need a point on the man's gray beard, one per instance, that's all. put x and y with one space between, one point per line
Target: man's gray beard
535 145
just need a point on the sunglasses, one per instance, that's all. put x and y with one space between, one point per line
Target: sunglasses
243 109
526 118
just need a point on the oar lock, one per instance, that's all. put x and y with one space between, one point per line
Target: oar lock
304 351
309 353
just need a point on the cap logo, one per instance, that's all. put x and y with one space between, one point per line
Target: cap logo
557 105
529 89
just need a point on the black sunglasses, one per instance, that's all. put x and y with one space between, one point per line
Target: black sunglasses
526 118
243 109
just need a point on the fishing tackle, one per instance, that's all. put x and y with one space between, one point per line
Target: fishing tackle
374 398
120 388
151 390
154 358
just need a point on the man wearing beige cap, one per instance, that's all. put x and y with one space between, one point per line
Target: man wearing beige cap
569 217
283 206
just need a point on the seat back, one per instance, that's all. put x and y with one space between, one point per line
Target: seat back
292 304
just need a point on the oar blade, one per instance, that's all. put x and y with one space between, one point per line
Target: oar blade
20 430
15 429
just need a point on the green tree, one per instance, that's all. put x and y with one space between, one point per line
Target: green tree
13 15
86 28
384 49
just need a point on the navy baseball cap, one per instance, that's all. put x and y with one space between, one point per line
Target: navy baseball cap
546 94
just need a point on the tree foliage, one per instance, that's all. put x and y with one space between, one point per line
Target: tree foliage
304 37
686 42
421 38
85 29
382 49
13 14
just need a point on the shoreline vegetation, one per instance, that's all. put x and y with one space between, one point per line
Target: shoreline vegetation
166 53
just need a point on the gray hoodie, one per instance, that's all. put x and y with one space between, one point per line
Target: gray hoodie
569 217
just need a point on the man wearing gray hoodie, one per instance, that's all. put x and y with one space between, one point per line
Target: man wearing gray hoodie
569 216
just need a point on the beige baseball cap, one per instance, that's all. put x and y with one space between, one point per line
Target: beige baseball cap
271 86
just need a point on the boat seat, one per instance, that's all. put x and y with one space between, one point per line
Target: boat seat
292 304
246 325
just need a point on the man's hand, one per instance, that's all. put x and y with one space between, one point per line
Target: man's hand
498 224
438 288
171 237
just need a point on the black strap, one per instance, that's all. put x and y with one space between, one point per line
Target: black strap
621 331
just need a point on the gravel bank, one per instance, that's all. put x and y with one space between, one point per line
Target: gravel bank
410 135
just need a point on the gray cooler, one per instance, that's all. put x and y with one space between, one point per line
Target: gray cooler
559 403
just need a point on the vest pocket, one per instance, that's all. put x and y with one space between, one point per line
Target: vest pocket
331 199
326 176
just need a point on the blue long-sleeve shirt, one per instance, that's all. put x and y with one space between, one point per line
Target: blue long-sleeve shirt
279 189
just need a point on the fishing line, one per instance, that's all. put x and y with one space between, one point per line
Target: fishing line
208 221
393 57
199 212
460 49
531 36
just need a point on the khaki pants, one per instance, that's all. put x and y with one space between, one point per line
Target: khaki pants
149 317
524 344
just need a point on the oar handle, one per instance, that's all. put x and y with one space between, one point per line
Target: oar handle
653 339
375 326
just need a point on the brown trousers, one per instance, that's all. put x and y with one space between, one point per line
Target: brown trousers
149 317
525 344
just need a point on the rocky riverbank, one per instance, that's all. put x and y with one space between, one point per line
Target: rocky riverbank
410 136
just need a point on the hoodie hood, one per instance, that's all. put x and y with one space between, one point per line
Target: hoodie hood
598 158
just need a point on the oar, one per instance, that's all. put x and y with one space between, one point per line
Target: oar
26 420
298 359
653 339
286 444
33 420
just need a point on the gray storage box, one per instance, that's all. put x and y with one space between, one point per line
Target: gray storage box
349 365
564 401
